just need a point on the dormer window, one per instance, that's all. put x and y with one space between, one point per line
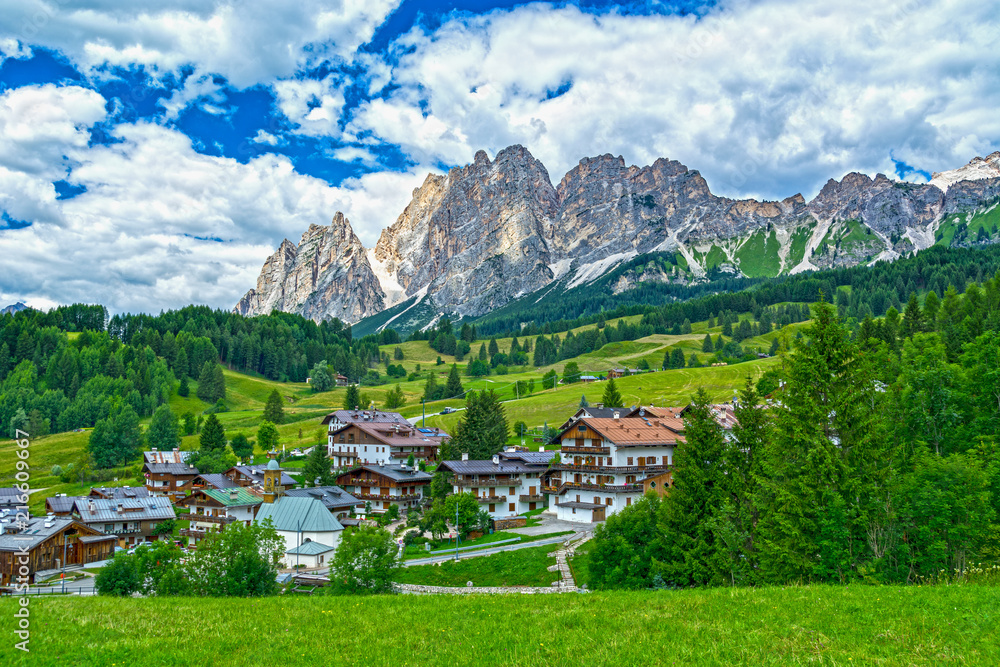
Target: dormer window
582 428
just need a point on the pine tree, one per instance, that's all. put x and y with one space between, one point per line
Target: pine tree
706 345
611 398
316 471
213 435
351 398
484 431
804 532
183 389
482 352
162 432
494 348
677 358
181 366
690 516
454 389
274 412
583 402
431 390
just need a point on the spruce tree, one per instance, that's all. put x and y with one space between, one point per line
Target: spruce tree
274 411
484 431
317 467
494 348
805 533
583 401
213 435
706 345
454 389
351 398
690 516
162 432
611 398
183 389
431 389
482 352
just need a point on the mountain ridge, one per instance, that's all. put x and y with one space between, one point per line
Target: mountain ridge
484 234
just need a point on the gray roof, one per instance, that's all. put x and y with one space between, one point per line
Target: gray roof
256 473
361 416
487 467
10 497
310 549
121 491
154 507
394 472
293 514
168 463
531 458
62 504
332 497
35 532
218 480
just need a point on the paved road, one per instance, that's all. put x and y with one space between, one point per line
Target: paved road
414 420
84 586
488 551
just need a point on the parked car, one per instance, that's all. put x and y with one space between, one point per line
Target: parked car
447 411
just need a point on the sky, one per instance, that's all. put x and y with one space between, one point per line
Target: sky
153 155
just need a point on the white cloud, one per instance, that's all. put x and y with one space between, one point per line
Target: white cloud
247 42
267 138
764 98
314 106
159 225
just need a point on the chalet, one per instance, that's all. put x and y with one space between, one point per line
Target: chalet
602 463
385 485
253 476
618 373
723 413
380 443
300 522
167 473
592 411
214 509
341 380
658 483
133 521
346 454
339 502
504 487
49 543
114 492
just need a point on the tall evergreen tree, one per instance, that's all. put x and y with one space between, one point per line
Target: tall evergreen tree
213 435
706 345
163 429
913 319
274 410
454 389
690 516
352 397
611 397
484 431
805 533
317 467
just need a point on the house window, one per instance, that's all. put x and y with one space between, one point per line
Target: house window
511 508
630 460
511 492
628 501
493 508
607 501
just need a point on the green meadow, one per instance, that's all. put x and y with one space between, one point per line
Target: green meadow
815 625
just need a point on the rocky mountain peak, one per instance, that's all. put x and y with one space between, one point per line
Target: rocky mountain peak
979 168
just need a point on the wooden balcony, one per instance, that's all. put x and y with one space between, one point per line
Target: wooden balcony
406 455
492 499
376 496
622 470
196 534
528 498
204 518
589 451
609 488
348 455
359 481
487 483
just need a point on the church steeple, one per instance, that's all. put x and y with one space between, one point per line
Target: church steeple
272 482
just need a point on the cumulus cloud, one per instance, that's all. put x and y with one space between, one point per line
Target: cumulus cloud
246 42
765 98
158 224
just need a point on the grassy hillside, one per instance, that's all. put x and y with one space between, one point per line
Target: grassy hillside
771 626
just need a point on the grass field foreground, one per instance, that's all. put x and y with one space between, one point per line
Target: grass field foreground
829 625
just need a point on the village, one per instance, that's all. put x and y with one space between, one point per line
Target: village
601 460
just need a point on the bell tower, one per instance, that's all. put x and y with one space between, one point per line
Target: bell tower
272 482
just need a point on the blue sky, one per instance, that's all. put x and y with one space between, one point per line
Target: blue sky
155 157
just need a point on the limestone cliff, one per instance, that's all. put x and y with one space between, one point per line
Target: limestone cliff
327 275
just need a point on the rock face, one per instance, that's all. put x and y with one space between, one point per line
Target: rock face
476 238
327 275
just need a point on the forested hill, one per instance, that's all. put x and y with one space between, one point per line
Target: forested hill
873 290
